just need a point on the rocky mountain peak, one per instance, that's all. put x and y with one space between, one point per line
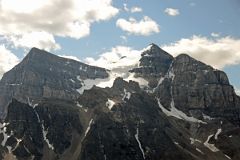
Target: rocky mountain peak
37 57
154 50
154 64
184 62
36 52
45 75
54 108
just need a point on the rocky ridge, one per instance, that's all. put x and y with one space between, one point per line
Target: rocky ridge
187 110
44 75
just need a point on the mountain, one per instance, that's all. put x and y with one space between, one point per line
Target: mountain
44 75
164 108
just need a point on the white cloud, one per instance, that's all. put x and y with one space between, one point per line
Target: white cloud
218 52
119 60
65 18
172 11
125 8
7 60
215 34
237 91
145 26
70 57
124 38
117 57
41 40
136 9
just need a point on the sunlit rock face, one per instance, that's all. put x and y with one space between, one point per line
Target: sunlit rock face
162 108
44 75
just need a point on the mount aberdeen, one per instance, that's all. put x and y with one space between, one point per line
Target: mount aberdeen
161 108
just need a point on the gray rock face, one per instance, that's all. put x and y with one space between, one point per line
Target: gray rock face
193 86
196 87
153 65
44 75
43 132
134 128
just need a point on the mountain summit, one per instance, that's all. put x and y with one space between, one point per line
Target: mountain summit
163 108
45 75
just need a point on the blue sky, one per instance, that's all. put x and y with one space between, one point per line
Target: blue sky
201 17
204 28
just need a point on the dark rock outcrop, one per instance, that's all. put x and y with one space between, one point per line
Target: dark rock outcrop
51 126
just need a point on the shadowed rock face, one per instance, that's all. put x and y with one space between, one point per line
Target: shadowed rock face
189 111
47 129
44 75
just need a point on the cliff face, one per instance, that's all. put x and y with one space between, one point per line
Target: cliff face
193 87
44 75
188 110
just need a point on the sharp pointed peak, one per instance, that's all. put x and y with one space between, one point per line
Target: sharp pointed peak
151 46
38 55
36 51
154 45
154 49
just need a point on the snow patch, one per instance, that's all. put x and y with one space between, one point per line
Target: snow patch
39 121
174 112
79 105
110 104
142 82
199 150
227 156
139 143
45 132
3 130
148 48
206 117
89 127
16 146
72 81
108 82
30 103
9 149
205 71
127 95
218 132
120 61
176 143
194 140
13 84
87 84
171 74
210 146
159 83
